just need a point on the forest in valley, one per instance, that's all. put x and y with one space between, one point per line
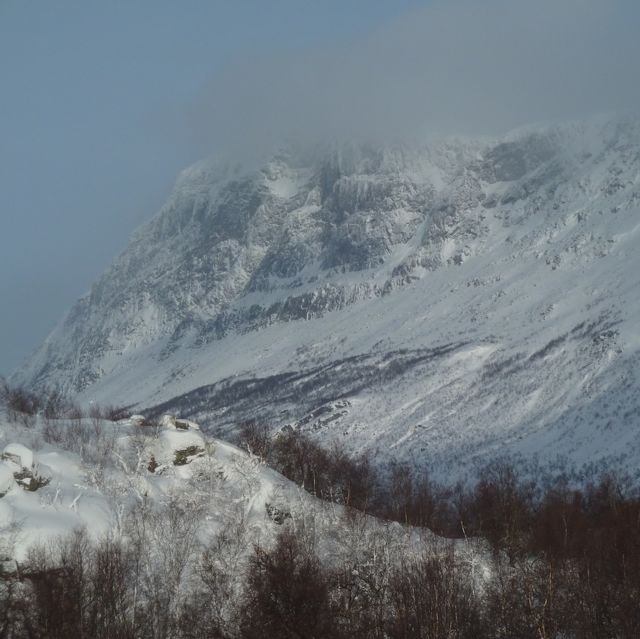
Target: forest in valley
508 555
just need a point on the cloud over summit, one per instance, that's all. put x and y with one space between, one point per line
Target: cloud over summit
457 67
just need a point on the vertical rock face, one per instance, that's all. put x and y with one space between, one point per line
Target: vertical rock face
504 245
288 231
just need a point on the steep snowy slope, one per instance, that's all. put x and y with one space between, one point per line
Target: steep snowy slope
445 304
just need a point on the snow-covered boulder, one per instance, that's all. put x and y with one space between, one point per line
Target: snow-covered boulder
179 447
25 468
6 479
173 423
19 455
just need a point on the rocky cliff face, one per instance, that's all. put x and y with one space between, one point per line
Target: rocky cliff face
467 295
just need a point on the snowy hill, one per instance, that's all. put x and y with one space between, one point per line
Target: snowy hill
178 521
93 473
443 305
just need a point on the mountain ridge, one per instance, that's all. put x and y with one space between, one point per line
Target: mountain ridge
518 250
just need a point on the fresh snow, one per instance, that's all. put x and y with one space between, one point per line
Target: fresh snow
222 485
445 305
19 455
6 478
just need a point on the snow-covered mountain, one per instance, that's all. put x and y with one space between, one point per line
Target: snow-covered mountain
441 304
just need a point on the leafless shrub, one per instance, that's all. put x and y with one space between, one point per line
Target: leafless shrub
22 405
56 406
329 474
59 584
164 541
255 437
116 413
75 413
287 594
95 415
220 570
53 432
430 599
4 390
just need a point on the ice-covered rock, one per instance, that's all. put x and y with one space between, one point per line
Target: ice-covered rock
27 471
178 447
173 423
19 456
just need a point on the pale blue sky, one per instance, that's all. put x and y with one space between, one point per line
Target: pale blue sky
103 102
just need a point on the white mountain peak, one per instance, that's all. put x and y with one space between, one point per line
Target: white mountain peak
459 300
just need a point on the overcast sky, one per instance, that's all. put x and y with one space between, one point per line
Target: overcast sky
102 103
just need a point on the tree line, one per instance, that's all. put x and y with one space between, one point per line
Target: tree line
565 559
515 557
